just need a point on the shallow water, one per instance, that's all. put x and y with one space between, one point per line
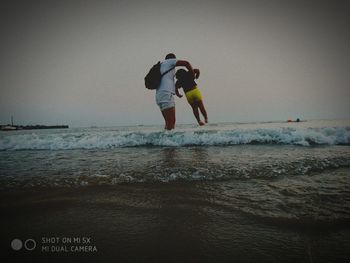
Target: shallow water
270 192
282 181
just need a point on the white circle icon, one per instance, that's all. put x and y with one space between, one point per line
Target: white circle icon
30 244
16 244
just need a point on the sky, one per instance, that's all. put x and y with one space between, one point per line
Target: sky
83 63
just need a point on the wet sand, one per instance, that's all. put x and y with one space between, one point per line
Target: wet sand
177 222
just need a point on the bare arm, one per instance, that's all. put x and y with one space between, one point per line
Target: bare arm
177 87
178 93
196 73
184 63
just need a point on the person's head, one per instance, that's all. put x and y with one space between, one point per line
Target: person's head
170 56
180 73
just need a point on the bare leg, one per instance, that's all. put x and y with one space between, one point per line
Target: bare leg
203 111
169 117
194 106
166 122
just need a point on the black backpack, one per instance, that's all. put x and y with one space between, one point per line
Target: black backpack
153 78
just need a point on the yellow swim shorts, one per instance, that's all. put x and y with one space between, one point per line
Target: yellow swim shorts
193 95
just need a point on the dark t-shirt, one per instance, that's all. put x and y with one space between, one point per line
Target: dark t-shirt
187 82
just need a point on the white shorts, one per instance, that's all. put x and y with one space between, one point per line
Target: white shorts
165 100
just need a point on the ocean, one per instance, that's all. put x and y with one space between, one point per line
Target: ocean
242 192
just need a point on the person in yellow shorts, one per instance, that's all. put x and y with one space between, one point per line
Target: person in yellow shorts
185 80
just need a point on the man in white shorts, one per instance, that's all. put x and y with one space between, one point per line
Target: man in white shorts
166 90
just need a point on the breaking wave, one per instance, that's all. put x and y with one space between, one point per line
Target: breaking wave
91 139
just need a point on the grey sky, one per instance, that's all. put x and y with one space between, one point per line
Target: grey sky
82 63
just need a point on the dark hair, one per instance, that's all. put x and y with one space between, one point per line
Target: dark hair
180 73
170 55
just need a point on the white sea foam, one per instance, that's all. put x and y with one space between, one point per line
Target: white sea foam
107 139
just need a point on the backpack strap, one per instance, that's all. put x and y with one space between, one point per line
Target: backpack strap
166 72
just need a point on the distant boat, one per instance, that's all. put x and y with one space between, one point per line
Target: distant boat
8 127
297 120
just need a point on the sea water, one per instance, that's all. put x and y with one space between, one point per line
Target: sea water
295 174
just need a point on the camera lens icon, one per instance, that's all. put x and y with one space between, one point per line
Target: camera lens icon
29 244
16 244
